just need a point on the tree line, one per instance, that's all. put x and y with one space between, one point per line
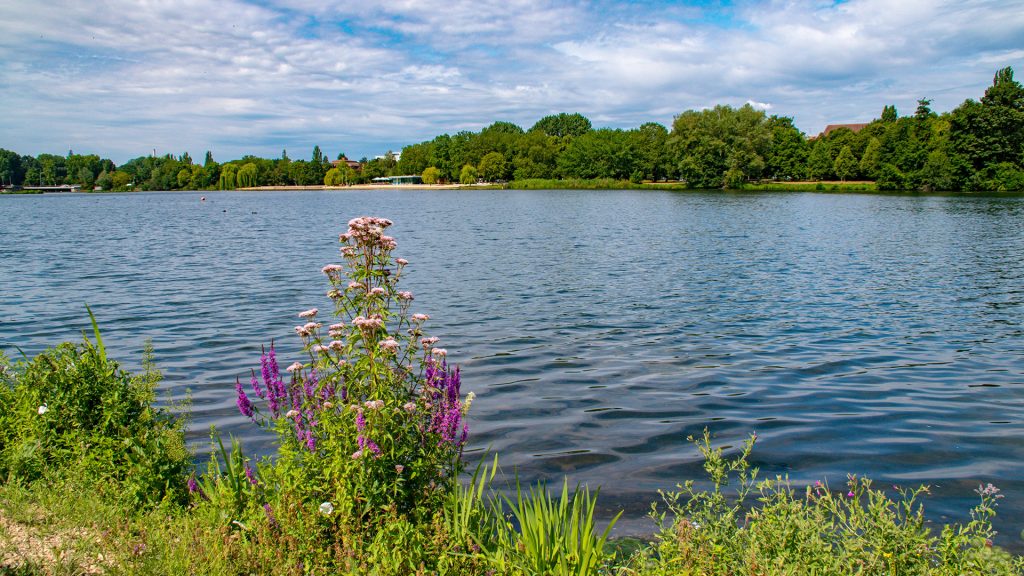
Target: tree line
977 146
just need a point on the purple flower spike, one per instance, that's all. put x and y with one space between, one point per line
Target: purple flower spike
244 405
250 474
194 489
255 384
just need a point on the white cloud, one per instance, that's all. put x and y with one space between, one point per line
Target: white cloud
237 78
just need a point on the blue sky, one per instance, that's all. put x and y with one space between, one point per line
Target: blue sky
123 78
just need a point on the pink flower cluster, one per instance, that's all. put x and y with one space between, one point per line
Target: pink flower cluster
372 323
369 230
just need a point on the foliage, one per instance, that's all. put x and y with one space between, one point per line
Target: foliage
553 536
431 175
72 411
858 529
468 174
370 428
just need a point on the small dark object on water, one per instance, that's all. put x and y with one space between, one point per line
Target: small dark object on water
202 198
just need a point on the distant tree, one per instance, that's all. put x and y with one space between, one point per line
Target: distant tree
820 164
871 160
105 181
493 167
563 125
987 138
889 114
845 164
11 171
787 153
924 110
184 178
227 177
468 174
247 176
431 175
120 180
334 177
208 161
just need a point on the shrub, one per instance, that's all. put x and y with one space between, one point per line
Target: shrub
71 411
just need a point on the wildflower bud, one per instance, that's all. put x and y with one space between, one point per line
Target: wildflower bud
295 366
405 295
331 269
399 468
401 261
328 405
409 406
308 313
420 317
439 352
291 413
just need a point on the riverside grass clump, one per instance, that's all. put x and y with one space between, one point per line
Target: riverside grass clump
370 426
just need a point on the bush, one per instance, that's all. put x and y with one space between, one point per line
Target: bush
72 411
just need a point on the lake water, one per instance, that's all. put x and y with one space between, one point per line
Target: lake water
869 334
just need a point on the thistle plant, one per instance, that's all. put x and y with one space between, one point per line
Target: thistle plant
371 422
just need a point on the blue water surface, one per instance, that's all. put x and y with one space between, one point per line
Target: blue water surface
870 334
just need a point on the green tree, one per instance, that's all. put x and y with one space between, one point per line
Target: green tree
11 171
845 165
889 114
820 164
871 160
563 125
121 180
334 177
105 181
247 176
468 175
493 167
431 175
227 177
184 177
924 110
707 144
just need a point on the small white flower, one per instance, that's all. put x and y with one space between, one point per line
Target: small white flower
291 414
43 410
326 508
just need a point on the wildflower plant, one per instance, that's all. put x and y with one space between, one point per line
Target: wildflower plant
371 421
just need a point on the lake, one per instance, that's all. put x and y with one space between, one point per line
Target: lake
870 334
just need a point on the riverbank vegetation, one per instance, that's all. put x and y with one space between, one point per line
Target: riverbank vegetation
977 146
368 476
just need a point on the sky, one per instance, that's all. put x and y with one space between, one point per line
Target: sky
124 78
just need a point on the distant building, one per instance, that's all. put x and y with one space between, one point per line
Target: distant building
852 127
346 162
